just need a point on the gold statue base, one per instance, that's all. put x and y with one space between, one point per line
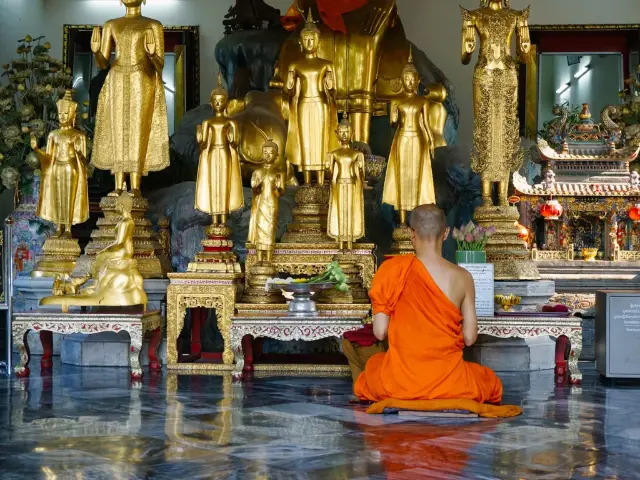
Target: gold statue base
151 256
312 259
402 244
59 256
217 255
357 293
255 292
505 250
309 224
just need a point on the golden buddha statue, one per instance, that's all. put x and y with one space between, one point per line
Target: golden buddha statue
219 183
268 185
409 179
496 136
116 279
64 198
345 221
312 110
132 133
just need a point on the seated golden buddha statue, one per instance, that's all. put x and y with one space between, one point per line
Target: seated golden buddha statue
116 279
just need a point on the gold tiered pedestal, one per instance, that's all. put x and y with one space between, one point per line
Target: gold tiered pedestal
217 254
401 244
150 255
59 256
505 250
309 223
257 277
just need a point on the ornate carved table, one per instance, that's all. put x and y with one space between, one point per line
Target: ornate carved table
565 329
280 326
46 323
201 290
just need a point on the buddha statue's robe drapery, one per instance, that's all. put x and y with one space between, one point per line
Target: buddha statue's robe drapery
132 132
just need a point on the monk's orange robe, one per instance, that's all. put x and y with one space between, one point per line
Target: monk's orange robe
424 360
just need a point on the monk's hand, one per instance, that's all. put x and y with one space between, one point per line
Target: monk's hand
96 39
150 43
34 142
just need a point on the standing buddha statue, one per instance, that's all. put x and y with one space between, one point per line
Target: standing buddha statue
345 222
313 116
409 179
219 183
268 185
64 198
496 131
496 134
132 133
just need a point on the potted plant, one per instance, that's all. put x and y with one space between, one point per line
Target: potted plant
472 240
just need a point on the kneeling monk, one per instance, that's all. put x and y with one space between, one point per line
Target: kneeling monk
426 307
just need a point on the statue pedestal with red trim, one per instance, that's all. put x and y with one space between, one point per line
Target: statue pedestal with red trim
217 255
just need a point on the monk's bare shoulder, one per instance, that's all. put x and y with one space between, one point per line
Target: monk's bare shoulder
460 273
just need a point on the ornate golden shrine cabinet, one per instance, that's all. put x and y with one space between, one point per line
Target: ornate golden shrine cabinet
588 195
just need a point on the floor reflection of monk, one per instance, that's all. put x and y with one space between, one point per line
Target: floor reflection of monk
426 307
427 451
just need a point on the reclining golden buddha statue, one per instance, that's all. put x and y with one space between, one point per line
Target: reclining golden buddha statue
116 279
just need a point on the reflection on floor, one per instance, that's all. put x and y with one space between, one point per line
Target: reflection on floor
92 423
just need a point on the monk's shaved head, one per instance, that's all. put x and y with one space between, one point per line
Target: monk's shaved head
428 221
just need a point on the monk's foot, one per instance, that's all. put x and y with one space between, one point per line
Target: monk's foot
116 193
136 192
66 234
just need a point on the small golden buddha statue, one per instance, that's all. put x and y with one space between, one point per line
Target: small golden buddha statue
219 183
312 109
132 133
496 134
268 185
116 279
345 221
64 198
409 179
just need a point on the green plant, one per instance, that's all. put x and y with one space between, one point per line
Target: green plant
471 237
35 82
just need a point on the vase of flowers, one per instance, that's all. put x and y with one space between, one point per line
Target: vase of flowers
472 240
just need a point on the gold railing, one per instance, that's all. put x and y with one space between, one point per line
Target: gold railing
545 255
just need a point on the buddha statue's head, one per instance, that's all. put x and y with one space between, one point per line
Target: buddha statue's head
269 152
67 110
132 3
219 96
344 130
310 35
124 202
269 147
410 75
495 3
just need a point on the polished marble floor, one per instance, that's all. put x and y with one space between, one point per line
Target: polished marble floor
92 423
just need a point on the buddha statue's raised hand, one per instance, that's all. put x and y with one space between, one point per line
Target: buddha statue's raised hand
150 43
96 39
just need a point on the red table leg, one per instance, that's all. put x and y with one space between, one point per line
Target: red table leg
247 347
46 339
154 362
